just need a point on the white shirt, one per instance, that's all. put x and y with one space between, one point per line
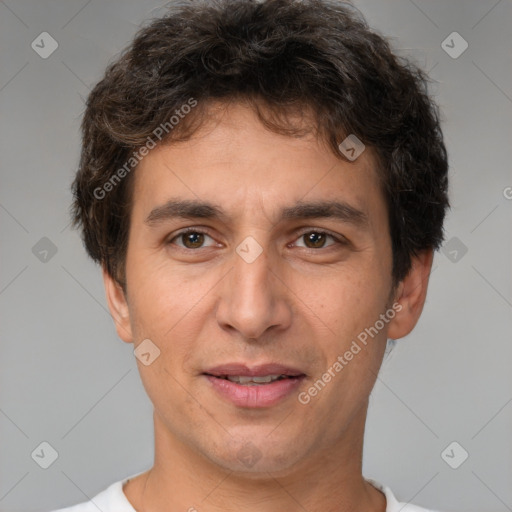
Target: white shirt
113 499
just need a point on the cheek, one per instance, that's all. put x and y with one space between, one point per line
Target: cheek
348 302
348 306
171 308
159 295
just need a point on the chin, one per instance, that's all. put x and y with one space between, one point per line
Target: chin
254 457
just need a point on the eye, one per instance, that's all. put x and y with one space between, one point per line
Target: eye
316 239
192 238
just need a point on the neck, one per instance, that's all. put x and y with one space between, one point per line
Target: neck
183 479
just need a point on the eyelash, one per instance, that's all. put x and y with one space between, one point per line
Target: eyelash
337 239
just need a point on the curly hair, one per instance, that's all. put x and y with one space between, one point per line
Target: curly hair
288 56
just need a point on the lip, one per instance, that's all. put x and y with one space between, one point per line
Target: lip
260 396
254 371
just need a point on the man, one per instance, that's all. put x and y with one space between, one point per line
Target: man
263 184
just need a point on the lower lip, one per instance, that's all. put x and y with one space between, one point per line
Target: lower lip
262 395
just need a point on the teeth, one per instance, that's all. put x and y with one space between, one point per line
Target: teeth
253 380
268 378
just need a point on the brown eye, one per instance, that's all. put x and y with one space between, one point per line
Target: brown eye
315 240
319 239
192 240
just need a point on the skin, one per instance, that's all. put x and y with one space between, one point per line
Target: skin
297 305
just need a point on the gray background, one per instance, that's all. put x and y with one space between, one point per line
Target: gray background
66 379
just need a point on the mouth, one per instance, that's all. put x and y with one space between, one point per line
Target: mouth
253 381
253 387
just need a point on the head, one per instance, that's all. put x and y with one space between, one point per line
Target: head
227 119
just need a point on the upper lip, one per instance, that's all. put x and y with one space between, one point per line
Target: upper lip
242 370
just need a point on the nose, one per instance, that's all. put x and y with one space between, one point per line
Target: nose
253 297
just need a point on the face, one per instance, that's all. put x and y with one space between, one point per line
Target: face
252 255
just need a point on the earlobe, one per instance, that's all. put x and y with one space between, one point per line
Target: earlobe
118 306
411 293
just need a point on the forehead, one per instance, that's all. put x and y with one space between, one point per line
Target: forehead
234 161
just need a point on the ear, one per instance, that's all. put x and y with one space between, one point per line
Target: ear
118 307
410 294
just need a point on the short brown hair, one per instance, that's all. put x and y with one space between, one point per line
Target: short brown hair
286 55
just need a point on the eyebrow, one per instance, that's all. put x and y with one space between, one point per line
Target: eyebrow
193 209
339 210
186 209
